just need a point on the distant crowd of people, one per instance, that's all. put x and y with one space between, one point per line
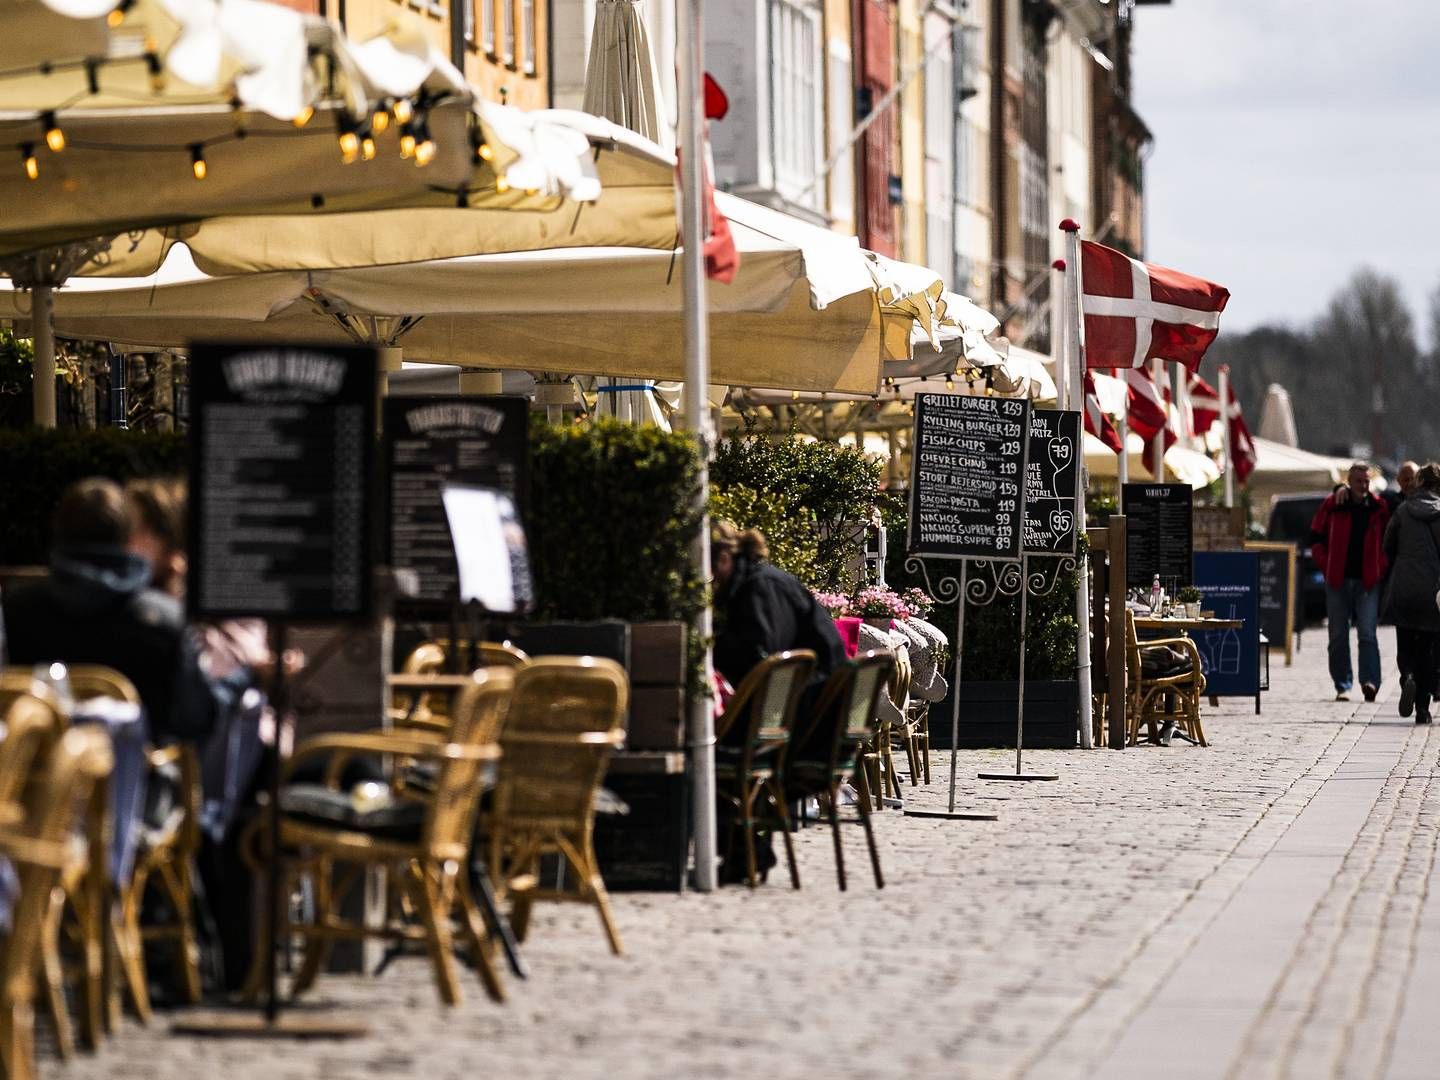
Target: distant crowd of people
1380 554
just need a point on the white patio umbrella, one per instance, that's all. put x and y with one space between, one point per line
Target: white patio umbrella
1181 465
803 312
621 85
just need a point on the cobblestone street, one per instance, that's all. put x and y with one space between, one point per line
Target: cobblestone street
1260 908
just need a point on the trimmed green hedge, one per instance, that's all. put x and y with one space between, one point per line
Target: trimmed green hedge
37 465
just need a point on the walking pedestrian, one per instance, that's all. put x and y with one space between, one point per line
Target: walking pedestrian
1412 541
1346 543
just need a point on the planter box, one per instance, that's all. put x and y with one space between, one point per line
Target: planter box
657 718
987 715
647 849
608 638
657 654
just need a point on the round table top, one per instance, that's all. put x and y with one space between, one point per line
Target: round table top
1180 622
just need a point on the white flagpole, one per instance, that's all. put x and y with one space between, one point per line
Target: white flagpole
1123 467
1157 444
697 419
1225 428
1075 381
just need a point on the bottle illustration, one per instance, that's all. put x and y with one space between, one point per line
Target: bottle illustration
1230 650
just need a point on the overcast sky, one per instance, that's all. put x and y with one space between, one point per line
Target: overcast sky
1294 141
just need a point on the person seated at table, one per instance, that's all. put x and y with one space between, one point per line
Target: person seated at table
763 610
97 607
235 655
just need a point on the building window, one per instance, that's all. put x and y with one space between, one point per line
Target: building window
467 16
507 32
487 25
940 134
527 35
796 105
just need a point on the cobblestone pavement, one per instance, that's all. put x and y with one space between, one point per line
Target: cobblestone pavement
1255 909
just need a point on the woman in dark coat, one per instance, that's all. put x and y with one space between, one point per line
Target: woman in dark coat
1412 543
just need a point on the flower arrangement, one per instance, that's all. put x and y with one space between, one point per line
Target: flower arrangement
836 603
919 602
878 602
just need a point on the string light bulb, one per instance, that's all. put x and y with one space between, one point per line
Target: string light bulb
32 167
118 13
367 148
407 142
156 69
380 121
304 116
485 152
950 381
425 153
403 110
197 161
531 192
349 146
54 137
502 184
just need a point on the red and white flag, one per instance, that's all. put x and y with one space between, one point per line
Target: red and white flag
1206 401
1146 410
1097 421
1136 311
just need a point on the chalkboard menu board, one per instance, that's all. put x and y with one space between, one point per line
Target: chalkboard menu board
1157 537
1050 482
1277 593
967 458
281 451
432 441
1229 584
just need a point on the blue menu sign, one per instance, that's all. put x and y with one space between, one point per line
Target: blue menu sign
1229 584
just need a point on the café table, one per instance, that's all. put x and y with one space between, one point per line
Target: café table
1184 625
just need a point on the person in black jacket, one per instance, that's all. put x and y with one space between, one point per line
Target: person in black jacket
1412 542
763 610
96 607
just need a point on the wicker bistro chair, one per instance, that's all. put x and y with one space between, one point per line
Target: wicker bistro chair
824 756
423 842
1172 695
752 737
410 708
566 719
40 848
165 856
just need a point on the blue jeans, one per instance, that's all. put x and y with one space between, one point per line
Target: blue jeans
1352 602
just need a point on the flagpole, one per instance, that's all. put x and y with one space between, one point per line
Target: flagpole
1123 468
697 419
1075 387
1225 429
1157 442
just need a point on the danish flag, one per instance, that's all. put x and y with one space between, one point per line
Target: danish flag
1206 402
1146 411
1097 422
1136 311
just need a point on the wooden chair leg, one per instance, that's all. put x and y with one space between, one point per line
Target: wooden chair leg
436 918
590 874
835 835
54 977
777 796
131 949
478 936
870 843
317 944
17 1040
179 883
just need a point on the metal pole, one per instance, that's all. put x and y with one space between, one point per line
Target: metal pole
697 381
1123 466
1075 361
42 318
959 664
1225 428
1157 444
119 403
1020 695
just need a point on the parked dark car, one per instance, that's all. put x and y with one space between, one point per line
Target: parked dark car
1290 517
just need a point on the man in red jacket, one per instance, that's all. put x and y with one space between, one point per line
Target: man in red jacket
1345 542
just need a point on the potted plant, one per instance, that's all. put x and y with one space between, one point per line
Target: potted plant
1190 596
879 606
836 603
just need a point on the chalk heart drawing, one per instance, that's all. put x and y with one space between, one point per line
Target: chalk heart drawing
1060 521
